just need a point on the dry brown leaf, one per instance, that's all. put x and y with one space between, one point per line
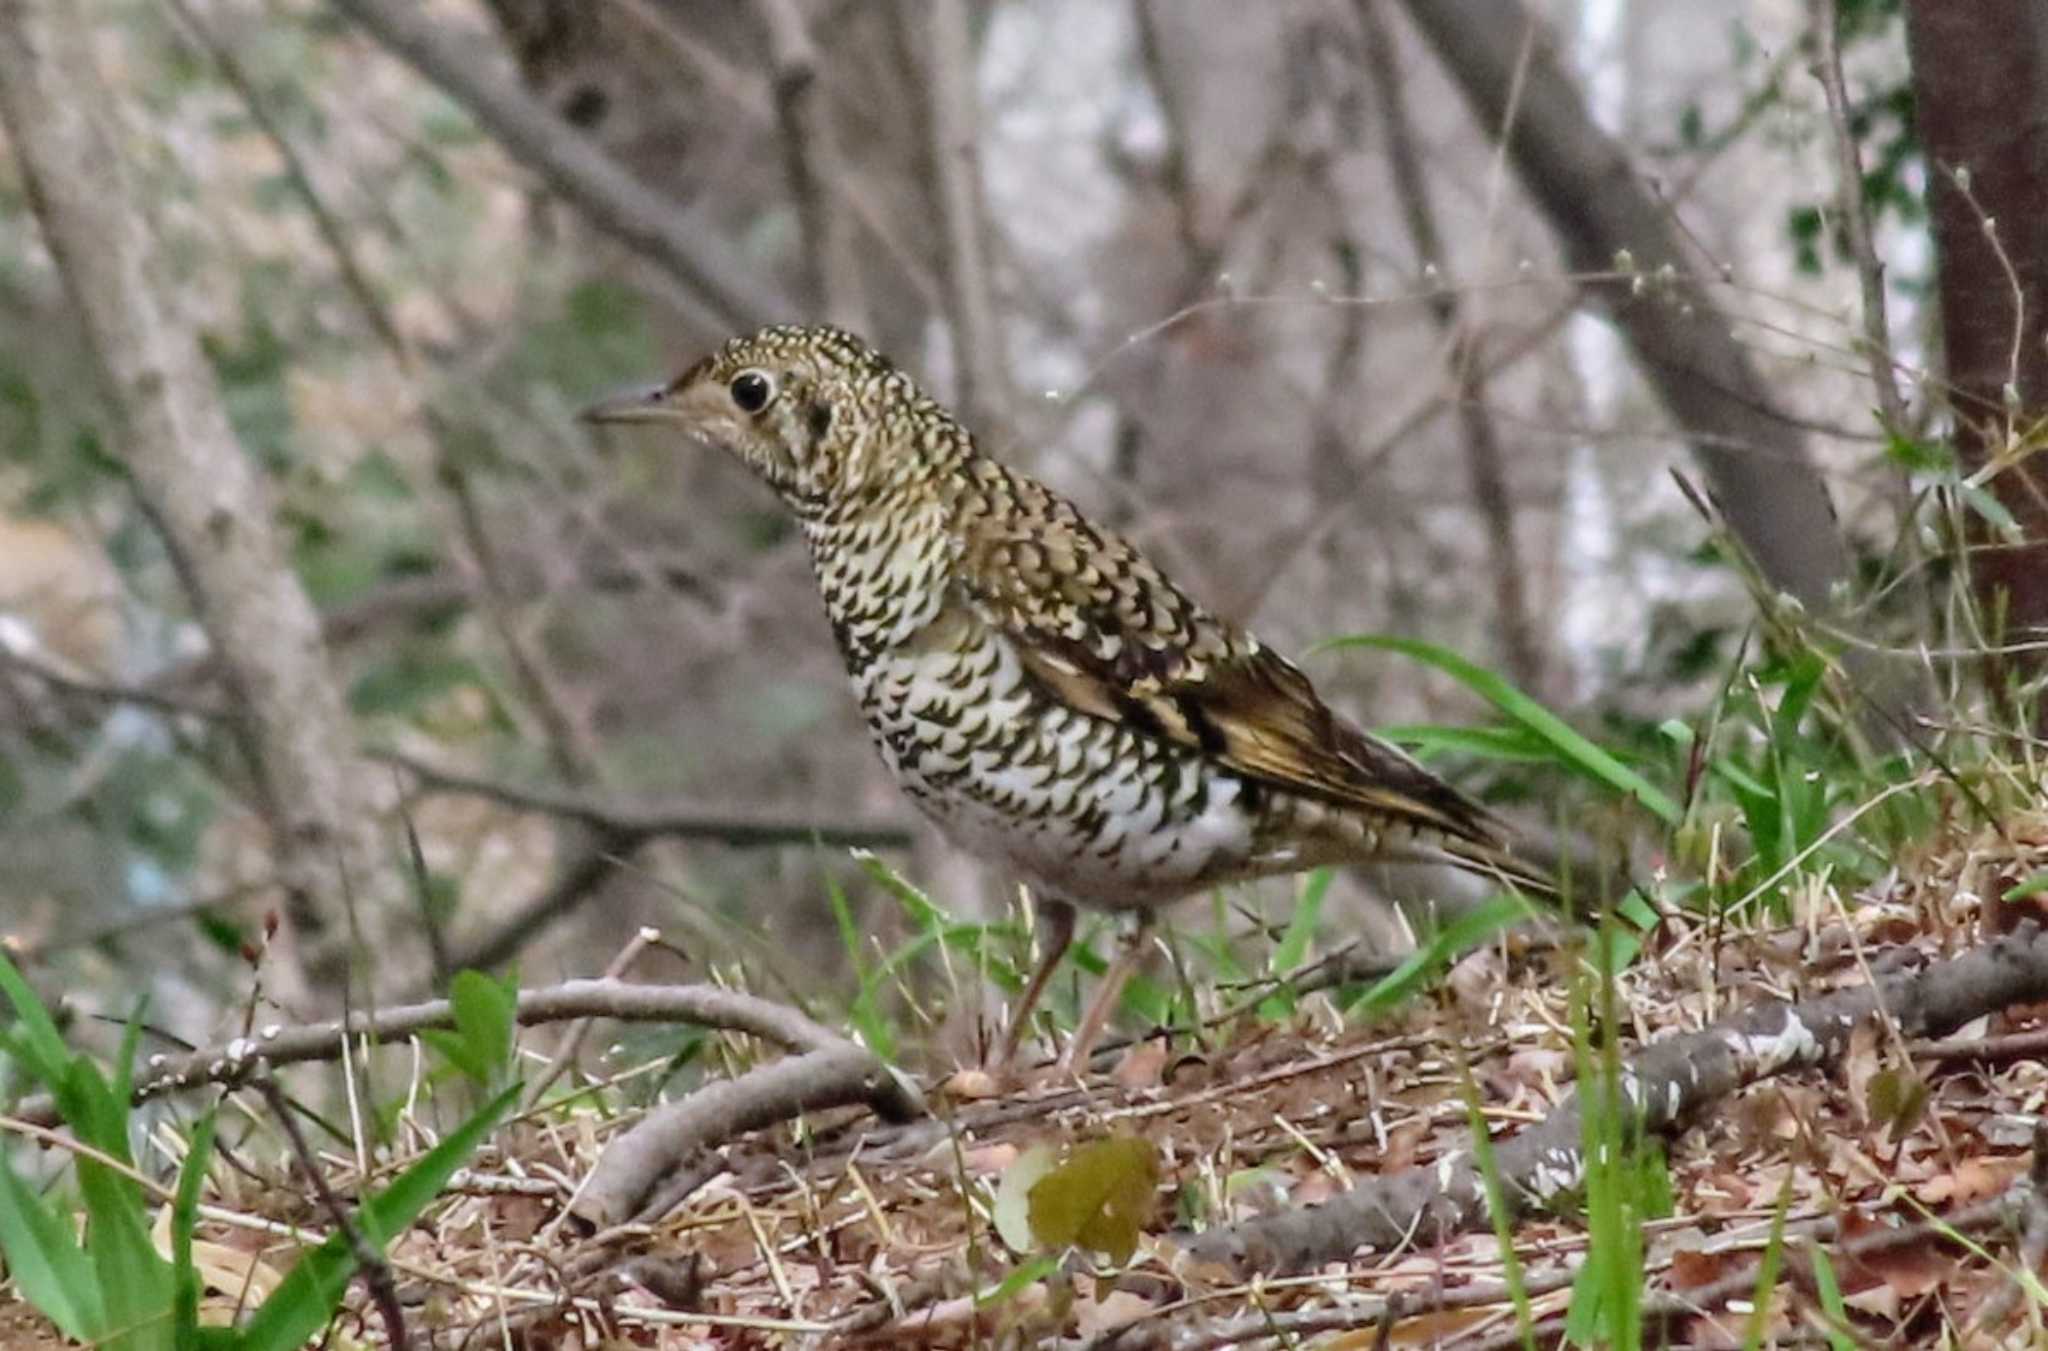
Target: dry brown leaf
1143 1066
1972 1180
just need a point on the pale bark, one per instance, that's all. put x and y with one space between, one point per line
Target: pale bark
206 496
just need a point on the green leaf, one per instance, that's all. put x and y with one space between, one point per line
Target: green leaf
2033 886
184 1218
1026 1275
1829 1291
1767 1272
1993 511
1099 1198
1512 745
1568 748
1917 456
306 1299
486 1011
36 1042
45 1262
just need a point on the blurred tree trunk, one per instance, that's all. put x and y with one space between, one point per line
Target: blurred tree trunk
1982 110
202 491
1755 460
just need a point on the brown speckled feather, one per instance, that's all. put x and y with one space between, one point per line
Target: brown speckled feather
1108 634
1036 685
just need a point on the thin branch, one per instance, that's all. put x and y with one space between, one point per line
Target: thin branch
1855 214
726 290
375 1270
1462 350
588 865
236 1062
647 820
353 278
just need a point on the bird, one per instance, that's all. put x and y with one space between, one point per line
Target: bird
1037 686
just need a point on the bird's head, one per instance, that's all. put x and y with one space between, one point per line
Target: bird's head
816 412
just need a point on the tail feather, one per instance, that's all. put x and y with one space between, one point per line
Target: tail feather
1488 857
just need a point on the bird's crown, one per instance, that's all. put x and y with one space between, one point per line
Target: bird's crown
818 413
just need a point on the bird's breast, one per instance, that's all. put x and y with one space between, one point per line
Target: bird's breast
1087 807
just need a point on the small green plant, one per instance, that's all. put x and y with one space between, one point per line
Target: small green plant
110 1287
1626 1180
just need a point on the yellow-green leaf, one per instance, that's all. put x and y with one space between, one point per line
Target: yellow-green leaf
1099 1198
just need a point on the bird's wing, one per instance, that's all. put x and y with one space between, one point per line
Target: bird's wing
1103 631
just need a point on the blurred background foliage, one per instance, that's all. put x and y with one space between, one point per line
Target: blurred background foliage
1214 328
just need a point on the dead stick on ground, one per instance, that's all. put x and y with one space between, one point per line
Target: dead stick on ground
704 1005
1666 1081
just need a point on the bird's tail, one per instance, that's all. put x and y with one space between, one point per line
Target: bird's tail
1492 859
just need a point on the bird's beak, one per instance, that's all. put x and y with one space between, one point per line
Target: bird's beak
645 404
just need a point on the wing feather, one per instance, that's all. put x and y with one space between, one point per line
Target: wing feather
1104 632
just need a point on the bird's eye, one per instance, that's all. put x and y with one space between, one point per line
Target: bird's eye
752 391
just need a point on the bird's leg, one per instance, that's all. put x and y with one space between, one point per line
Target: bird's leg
1056 932
1075 1058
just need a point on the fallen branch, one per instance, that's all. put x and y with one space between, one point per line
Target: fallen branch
237 1061
626 1183
1667 1082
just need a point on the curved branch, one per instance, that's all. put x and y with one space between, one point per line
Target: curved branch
236 1061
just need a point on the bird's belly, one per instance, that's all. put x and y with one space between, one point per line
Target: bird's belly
1079 806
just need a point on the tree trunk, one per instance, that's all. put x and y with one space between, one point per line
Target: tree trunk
1755 460
1980 92
197 484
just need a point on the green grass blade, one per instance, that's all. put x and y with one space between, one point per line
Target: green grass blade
184 1218
1292 950
36 1042
1829 1292
44 1260
1570 749
1497 1208
1767 1272
302 1304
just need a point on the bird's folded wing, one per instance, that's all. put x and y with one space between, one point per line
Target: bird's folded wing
1103 631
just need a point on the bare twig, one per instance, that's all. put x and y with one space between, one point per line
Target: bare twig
576 877
1582 179
625 1183
642 821
2033 1248
375 1270
235 1062
1855 213
727 292
353 278
579 1031
810 156
937 31
1462 350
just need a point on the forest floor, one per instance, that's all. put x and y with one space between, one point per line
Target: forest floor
1906 1163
